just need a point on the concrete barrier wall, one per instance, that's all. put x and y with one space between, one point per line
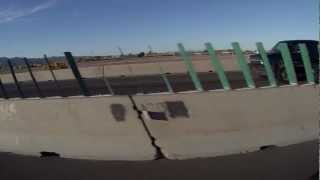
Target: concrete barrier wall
185 125
210 124
104 128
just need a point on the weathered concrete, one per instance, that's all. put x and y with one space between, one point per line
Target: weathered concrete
211 124
104 128
185 125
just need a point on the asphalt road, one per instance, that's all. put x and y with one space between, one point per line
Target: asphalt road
297 162
128 85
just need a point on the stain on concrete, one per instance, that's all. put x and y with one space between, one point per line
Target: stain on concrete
45 154
267 147
7 111
177 109
161 116
119 112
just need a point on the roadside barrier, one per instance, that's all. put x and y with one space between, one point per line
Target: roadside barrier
174 125
207 124
102 128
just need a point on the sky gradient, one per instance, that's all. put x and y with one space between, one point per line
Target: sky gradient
32 28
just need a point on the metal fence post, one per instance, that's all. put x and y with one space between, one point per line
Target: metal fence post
218 67
243 65
165 79
52 73
33 78
76 73
266 64
188 62
106 82
307 63
4 91
286 57
15 79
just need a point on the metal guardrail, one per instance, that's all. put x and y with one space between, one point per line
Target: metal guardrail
186 57
286 57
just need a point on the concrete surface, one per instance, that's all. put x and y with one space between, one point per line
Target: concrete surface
297 162
209 124
104 128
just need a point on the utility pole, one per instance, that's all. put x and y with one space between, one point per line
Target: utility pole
121 52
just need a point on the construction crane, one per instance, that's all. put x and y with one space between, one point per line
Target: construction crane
150 50
121 52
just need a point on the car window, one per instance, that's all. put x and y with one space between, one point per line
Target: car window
275 48
313 50
294 47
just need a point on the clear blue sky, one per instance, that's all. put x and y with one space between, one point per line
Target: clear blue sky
96 27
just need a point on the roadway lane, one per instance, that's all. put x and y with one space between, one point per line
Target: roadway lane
130 85
297 162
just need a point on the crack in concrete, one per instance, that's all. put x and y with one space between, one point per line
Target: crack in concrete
159 154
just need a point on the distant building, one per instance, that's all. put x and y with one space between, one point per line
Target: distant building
225 52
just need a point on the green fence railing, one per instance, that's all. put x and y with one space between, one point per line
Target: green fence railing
307 63
288 64
193 74
286 69
218 67
243 65
276 70
267 65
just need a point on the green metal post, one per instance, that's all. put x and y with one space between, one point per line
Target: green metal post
288 63
188 62
106 81
165 79
243 65
307 63
14 76
34 80
266 64
218 67
52 73
76 73
4 91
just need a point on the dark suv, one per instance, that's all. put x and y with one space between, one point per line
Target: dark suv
277 64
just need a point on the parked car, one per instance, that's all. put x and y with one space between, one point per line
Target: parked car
277 63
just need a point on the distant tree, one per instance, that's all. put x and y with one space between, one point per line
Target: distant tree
142 54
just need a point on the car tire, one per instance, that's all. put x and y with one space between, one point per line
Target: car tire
281 73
